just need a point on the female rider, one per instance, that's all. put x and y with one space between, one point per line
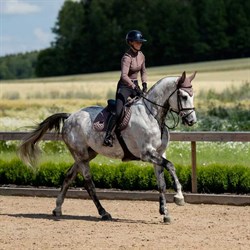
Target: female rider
133 62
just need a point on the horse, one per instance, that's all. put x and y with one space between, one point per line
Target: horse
146 137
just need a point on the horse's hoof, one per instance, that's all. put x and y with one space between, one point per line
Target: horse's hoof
167 220
179 201
57 213
107 216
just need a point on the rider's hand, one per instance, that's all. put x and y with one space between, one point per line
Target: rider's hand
138 90
144 87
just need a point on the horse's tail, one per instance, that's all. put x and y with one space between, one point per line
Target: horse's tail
28 149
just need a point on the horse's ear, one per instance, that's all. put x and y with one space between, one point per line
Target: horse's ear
181 79
192 76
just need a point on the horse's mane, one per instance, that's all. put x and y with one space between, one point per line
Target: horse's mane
160 81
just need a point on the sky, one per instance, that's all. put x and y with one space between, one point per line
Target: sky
25 25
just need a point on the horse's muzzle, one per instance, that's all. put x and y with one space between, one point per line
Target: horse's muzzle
190 123
189 119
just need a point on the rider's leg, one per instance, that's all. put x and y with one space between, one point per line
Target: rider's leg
108 140
122 95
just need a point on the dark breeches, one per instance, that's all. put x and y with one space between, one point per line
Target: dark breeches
122 95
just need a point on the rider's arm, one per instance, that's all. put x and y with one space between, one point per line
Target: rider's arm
125 67
143 73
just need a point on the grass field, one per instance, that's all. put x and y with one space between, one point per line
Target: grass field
178 152
23 102
210 75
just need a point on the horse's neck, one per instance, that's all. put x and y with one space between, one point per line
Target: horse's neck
159 95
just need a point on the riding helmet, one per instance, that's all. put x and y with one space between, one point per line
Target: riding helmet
135 35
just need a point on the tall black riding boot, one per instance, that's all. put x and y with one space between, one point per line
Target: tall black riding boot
108 140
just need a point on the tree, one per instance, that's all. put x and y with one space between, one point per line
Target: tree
90 34
18 66
238 27
101 36
211 17
69 44
48 63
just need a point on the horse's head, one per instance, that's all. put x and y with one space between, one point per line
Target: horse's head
183 103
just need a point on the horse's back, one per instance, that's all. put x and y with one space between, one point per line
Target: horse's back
89 113
80 123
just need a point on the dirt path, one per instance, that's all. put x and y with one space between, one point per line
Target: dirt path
26 223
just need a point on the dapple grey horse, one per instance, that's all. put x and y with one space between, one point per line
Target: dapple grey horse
146 137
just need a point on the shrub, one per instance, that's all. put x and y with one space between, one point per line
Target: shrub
184 175
212 179
239 179
138 178
15 172
146 178
105 176
129 176
51 174
123 176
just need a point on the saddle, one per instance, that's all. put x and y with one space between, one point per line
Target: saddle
101 120
101 124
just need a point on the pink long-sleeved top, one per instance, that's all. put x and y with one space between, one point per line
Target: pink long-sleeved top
131 64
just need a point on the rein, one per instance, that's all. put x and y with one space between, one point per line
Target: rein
179 112
164 107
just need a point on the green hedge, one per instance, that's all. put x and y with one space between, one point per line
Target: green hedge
129 176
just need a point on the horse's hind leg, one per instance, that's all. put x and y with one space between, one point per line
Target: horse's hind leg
70 176
90 187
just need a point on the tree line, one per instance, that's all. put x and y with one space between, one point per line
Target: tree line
18 66
90 34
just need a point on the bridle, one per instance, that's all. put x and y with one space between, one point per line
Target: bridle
167 107
180 107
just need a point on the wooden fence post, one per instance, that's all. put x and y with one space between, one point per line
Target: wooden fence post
194 175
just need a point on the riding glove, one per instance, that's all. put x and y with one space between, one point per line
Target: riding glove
138 90
144 87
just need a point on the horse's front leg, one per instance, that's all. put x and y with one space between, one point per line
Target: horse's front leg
159 160
169 166
159 173
178 198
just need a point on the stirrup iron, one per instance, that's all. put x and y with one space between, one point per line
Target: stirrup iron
108 141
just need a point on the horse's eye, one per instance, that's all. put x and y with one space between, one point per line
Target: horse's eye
184 98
